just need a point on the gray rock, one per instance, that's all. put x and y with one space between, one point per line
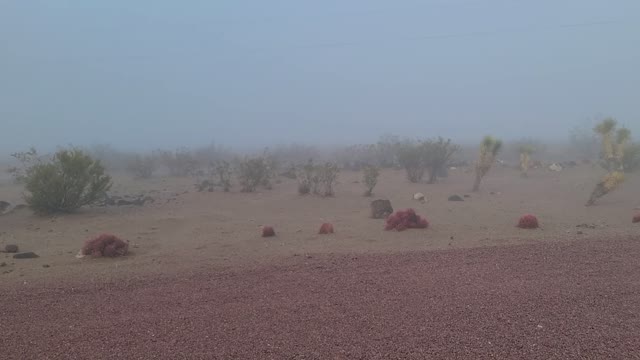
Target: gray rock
11 248
4 205
455 198
380 209
26 255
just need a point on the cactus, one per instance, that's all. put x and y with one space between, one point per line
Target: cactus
610 182
489 149
525 158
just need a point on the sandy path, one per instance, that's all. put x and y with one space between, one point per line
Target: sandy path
543 301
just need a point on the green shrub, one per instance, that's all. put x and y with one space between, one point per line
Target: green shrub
223 171
437 154
371 174
327 175
307 178
67 182
411 157
253 172
26 160
142 167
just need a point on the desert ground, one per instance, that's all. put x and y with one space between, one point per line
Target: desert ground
200 282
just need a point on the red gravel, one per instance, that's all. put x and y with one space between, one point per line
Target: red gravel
546 301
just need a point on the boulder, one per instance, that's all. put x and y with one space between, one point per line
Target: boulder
4 206
380 209
11 248
26 255
419 197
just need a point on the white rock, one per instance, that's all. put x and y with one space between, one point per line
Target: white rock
419 197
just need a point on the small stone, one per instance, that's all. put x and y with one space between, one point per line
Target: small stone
455 198
45 266
11 248
580 233
3 264
26 255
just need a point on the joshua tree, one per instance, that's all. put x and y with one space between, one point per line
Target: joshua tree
525 151
605 129
437 154
489 149
612 157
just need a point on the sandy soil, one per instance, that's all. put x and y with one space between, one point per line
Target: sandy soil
184 229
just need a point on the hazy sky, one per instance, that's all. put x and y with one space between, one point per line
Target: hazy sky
164 73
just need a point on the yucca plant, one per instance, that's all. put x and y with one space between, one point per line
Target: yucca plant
613 151
606 129
525 151
489 149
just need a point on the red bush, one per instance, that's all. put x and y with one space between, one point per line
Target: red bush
406 219
105 245
267 231
636 218
528 221
326 228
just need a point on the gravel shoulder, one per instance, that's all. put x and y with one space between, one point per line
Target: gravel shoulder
564 300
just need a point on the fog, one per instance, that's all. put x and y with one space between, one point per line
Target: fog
147 74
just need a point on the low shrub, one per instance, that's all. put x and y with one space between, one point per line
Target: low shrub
406 219
267 231
69 181
371 174
528 221
142 167
325 229
253 172
106 245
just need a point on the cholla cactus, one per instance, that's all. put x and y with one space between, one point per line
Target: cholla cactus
609 183
489 149
525 158
612 156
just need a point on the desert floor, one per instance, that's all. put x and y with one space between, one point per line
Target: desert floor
198 261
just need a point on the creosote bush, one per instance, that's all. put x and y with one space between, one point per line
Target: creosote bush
26 159
437 154
371 174
67 182
411 157
254 172
327 178
317 179
142 166
223 171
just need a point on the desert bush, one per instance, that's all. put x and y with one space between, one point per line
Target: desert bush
223 173
528 221
411 156
406 219
106 245
437 154
307 178
142 166
489 149
180 162
26 159
254 172
370 175
69 181
327 176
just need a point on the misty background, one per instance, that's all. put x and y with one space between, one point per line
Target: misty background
147 74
